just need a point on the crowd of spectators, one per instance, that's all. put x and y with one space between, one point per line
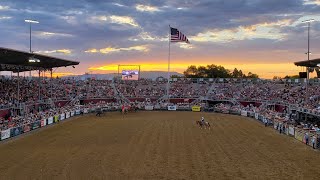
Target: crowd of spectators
294 94
29 91
15 120
24 90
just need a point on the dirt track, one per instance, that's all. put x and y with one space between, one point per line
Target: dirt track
158 145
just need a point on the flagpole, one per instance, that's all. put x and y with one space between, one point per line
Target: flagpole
168 83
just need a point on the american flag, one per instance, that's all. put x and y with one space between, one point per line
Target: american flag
177 36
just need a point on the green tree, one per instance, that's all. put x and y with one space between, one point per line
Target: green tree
292 77
202 72
251 75
235 73
214 71
175 76
191 72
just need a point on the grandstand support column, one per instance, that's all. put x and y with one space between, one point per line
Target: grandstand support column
39 85
168 83
51 84
18 89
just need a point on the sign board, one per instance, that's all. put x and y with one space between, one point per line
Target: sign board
67 115
256 116
5 134
196 108
26 128
43 122
62 116
291 130
56 118
35 125
148 108
15 131
172 108
50 120
130 75
244 113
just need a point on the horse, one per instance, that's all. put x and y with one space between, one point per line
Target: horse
205 124
99 112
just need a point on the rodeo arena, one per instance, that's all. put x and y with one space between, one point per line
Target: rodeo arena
73 128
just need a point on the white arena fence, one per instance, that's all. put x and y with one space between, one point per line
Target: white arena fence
280 125
16 131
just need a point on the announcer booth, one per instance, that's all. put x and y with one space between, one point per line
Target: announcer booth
311 66
19 61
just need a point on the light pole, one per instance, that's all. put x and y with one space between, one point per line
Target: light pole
308 53
30 21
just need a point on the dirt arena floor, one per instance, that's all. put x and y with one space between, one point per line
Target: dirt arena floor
157 145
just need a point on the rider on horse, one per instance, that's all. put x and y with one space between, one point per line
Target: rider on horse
202 121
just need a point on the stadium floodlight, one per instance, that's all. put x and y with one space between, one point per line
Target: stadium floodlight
31 21
308 21
33 60
308 54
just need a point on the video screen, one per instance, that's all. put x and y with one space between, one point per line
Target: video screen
130 75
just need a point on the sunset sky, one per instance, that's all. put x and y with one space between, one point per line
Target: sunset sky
261 36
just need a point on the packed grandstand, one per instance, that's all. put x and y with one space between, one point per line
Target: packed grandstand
281 103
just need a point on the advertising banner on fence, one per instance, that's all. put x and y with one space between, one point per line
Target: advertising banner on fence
77 112
299 135
62 116
67 115
196 108
43 122
5 134
56 118
50 120
256 116
250 114
72 113
148 108
15 131
243 113
85 111
157 106
291 130
35 125
26 128
172 108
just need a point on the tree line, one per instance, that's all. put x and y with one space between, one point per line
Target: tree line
214 71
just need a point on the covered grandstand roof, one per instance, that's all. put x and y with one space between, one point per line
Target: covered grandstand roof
19 61
310 63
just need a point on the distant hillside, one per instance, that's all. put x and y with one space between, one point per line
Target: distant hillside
144 74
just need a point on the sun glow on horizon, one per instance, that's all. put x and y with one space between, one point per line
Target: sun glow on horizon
263 70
